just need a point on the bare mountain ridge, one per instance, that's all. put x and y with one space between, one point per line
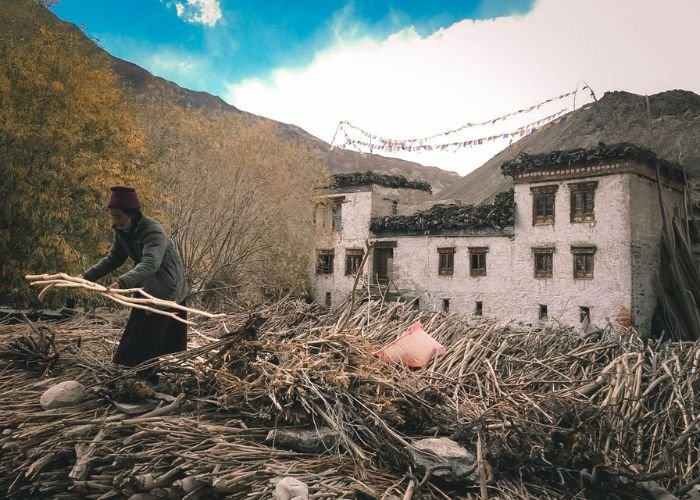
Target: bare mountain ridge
617 117
143 84
21 19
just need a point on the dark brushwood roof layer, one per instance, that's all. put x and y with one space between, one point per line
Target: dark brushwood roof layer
364 178
598 154
464 219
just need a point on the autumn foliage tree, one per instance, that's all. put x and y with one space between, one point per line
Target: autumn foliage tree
240 203
66 135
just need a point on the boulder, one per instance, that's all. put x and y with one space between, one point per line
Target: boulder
67 393
304 441
459 465
290 488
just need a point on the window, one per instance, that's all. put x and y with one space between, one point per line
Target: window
479 309
584 314
394 207
353 260
583 201
446 305
544 258
324 261
583 262
446 266
543 204
337 215
328 299
543 311
477 261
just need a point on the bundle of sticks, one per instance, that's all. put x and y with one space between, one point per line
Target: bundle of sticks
121 296
557 414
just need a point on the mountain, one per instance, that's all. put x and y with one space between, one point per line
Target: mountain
671 129
22 18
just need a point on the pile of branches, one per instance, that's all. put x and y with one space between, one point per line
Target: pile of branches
600 153
555 412
496 215
364 178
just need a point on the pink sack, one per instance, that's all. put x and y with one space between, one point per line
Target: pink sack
413 348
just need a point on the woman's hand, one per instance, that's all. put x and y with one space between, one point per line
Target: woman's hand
113 286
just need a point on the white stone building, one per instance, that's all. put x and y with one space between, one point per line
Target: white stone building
582 238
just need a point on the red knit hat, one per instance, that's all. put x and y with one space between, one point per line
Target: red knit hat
123 197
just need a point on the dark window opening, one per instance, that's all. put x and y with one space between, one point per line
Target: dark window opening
324 262
446 265
479 310
543 206
544 263
446 305
583 262
394 207
584 314
328 299
543 311
353 260
477 261
337 216
583 201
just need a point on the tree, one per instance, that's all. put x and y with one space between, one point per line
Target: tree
240 203
66 135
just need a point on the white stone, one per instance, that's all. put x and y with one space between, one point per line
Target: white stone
290 488
431 452
64 394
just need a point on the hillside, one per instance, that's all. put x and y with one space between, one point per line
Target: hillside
618 117
22 18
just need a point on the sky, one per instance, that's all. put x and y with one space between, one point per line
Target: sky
404 69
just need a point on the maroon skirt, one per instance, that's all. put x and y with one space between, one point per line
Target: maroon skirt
148 335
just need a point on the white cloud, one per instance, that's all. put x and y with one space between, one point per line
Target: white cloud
410 86
206 12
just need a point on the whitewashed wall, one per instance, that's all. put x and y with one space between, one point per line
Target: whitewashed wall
626 233
416 261
646 244
608 293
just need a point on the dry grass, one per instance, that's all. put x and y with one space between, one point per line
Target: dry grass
558 414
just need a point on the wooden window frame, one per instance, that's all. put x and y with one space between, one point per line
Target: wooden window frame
353 259
543 273
325 261
480 253
584 214
337 215
587 254
446 261
542 193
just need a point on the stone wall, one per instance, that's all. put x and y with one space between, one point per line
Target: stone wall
608 293
646 244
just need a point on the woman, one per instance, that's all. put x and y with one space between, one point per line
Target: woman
158 270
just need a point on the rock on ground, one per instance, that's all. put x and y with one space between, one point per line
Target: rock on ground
67 393
459 465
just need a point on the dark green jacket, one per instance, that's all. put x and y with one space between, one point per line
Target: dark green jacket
159 270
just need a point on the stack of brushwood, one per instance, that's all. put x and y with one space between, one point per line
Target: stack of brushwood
364 178
597 154
439 219
548 413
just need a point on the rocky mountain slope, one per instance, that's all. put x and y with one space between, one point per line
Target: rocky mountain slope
617 117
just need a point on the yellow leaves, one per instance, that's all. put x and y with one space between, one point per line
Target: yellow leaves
70 135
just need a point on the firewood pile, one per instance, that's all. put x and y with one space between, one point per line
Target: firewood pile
466 218
547 413
391 181
597 154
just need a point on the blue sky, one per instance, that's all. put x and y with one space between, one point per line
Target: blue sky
251 38
403 69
